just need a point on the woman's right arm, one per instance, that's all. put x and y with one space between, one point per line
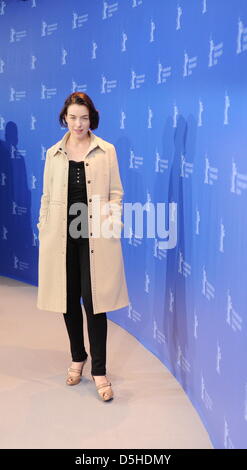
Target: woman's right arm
45 198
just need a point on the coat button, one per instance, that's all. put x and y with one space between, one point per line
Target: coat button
91 216
90 200
91 234
87 164
89 181
91 251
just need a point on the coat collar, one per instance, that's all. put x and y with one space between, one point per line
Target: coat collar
60 146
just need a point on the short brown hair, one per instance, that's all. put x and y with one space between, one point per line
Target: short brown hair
80 98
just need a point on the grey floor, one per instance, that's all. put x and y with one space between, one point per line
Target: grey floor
38 410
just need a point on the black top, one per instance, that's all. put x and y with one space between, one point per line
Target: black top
77 193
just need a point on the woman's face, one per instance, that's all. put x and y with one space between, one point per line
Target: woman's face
77 118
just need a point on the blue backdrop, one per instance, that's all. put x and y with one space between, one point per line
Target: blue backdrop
169 80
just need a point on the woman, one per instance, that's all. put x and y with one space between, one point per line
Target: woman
82 255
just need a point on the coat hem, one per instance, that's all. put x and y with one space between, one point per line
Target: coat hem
103 310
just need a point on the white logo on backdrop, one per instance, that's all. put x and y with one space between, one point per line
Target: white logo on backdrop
13 152
186 167
201 109
195 326
182 362
189 64
242 37
77 87
32 123
148 200
135 161
158 252
18 210
3 179
48 29
238 180
215 51
228 444
198 219
208 290
33 4
218 358
171 301
16 95
78 20
150 117
94 48
204 6
163 73
64 56
134 314
222 236
2 63
2 7
184 268
47 93
16 154
152 29
2 123
136 3
147 282
18 264
107 85
211 173
207 400
4 233
233 319
136 80
33 62
175 115
17 36
158 335
122 119
132 239
43 152
178 19
109 9
160 163
33 181
124 40
226 109
35 239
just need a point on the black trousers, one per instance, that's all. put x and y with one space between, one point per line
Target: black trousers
79 284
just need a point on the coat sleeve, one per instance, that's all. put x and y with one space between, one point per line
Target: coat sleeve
45 198
116 190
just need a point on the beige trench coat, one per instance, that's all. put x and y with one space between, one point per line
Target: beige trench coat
108 283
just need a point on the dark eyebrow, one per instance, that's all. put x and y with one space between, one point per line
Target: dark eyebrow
81 116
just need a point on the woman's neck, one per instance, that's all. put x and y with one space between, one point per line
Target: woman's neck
77 143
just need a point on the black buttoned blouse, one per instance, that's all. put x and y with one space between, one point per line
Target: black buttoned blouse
77 193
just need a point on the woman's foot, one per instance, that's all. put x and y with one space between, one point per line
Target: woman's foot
103 387
75 373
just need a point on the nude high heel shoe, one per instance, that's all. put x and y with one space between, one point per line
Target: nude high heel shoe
72 379
104 390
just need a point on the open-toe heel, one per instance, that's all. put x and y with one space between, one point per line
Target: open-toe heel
104 390
77 373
